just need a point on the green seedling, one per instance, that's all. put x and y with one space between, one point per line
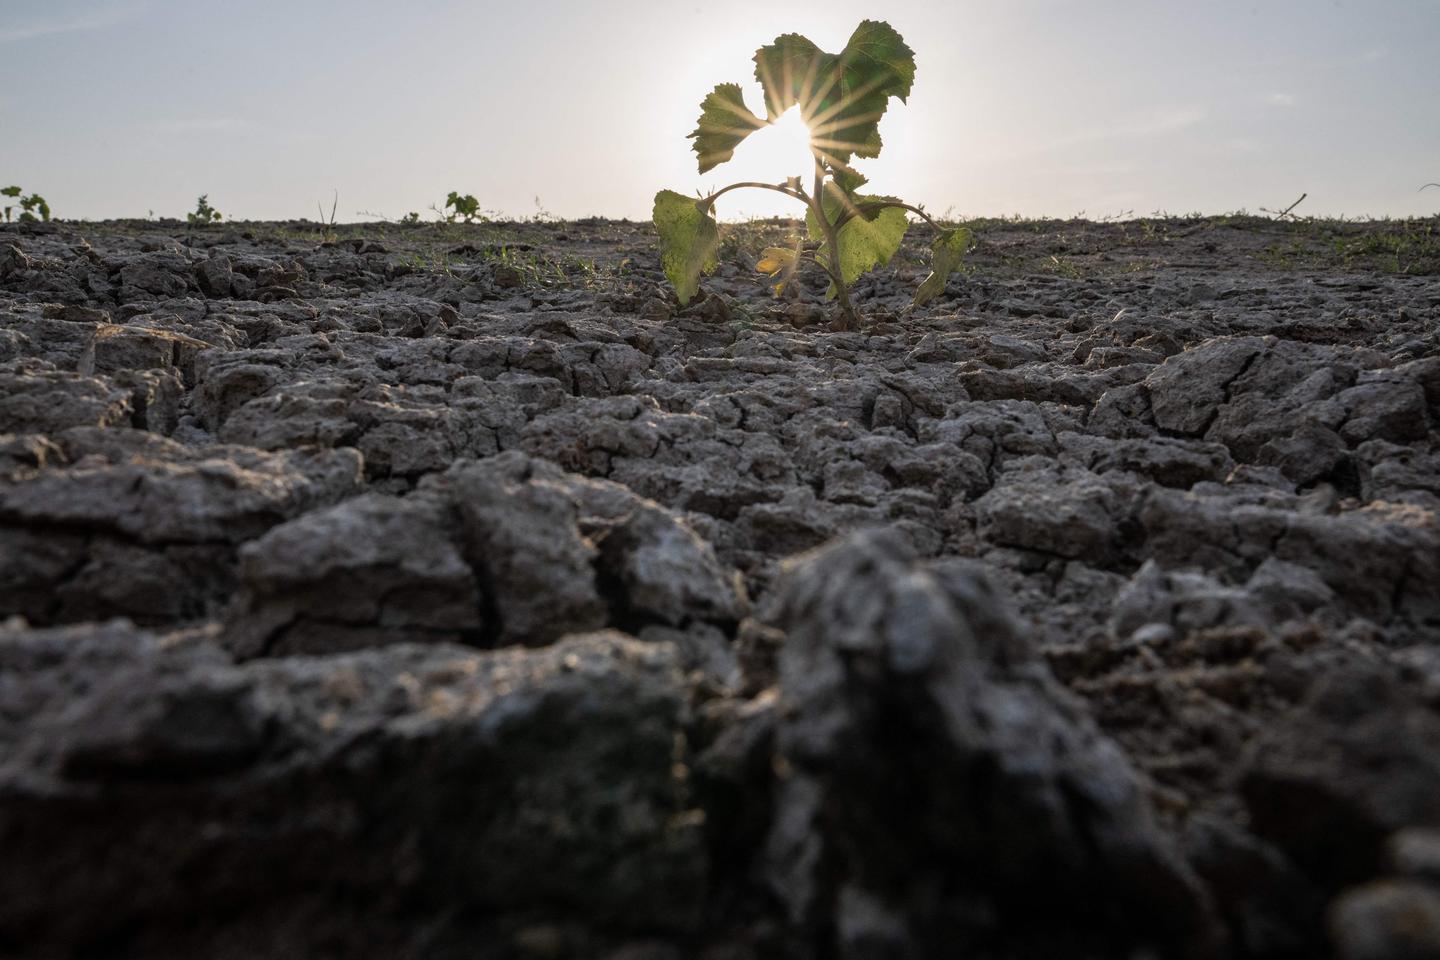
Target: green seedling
32 208
841 98
204 213
465 208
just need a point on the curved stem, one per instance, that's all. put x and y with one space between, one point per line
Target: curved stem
778 188
878 205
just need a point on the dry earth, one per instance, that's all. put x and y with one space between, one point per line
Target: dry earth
445 592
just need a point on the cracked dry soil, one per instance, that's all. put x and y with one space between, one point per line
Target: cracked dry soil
447 592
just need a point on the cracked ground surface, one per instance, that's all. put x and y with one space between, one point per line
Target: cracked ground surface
441 590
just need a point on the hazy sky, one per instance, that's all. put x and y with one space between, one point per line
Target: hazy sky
1040 107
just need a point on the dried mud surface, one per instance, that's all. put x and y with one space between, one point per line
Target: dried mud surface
449 592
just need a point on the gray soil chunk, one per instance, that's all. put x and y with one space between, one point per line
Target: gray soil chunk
41 401
496 552
521 535
1189 388
1071 514
666 572
924 747
224 495
228 803
1387 920
372 570
1352 764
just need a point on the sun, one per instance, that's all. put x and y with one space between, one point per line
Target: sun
793 136
779 148
769 155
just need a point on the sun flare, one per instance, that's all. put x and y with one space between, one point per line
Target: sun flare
782 146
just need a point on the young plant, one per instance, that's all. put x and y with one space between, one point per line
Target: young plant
204 213
841 98
465 208
32 208
327 231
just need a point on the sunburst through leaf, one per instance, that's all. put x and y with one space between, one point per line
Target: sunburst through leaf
828 106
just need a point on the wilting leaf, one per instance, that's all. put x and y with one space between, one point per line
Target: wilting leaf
949 249
689 237
841 96
725 120
775 259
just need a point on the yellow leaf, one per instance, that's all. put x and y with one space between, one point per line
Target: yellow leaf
775 259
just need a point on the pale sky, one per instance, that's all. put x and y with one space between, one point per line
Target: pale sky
114 108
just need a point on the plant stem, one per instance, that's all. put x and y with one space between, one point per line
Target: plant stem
778 188
832 232
832 243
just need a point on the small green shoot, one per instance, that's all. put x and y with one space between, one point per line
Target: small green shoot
204 213
841 98
465 208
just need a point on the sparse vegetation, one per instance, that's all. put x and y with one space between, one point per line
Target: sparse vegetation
463 207
841 98
204 213
328 225
32 207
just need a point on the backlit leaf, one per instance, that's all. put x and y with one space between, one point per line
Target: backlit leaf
725 120
850 180
876 49
949 249
867 240
841 96
792 70
689 237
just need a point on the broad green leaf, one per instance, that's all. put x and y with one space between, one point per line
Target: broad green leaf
792 70
949 249
725 120
876 49
689 237
865 242
11 191
841 96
